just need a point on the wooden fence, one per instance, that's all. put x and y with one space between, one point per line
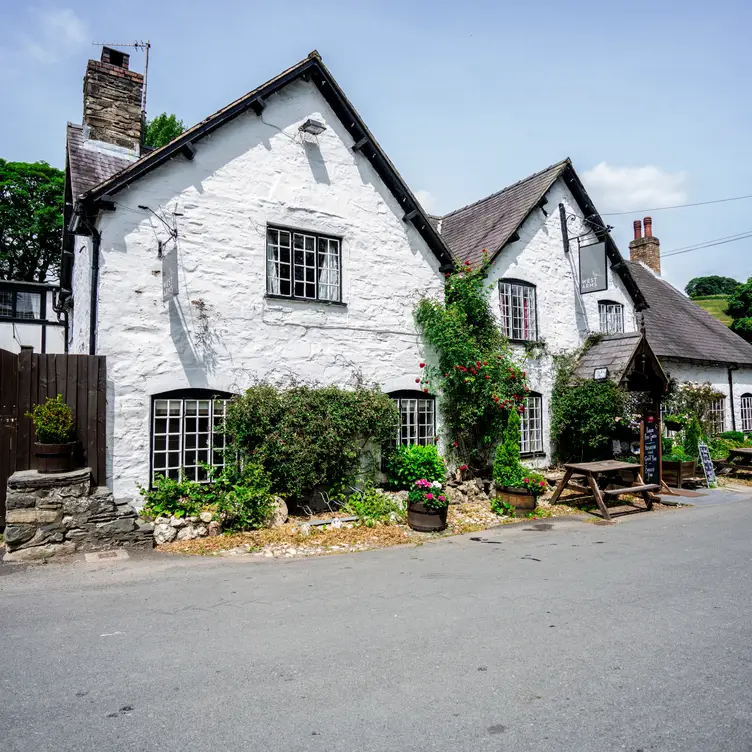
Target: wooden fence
29 378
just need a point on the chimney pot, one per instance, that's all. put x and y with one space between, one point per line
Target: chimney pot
648 222
637 229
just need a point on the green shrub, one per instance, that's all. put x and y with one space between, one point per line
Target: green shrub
677 454
244 498
667 445
508 472
169 497
306 437
502 508
692 437
719 448
736 436
53 421
406 464
371 505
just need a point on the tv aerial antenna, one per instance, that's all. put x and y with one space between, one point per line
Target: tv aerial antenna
137 45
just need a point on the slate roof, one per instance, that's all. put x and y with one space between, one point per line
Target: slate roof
614 352
87 167
678 328
490 222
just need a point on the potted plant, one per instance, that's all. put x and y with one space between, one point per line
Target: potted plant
675 422
515 484
427 506
680 464
53 423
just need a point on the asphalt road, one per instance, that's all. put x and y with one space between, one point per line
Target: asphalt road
572 637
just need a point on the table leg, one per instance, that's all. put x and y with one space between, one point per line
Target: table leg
648 500
598 497
562 485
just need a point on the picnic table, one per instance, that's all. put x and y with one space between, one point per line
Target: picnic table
739 459
599 476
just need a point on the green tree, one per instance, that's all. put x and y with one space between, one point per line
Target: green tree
701 287
31 220
162 129
740 310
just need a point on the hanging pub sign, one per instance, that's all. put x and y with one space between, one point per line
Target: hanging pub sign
593 277
169 274
650 446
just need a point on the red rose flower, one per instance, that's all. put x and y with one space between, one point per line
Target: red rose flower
455 444
477 363
422 365
417 381
425 390
485 363
487 376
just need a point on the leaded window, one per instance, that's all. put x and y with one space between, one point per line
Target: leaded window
746 406
611 317
303 265
518 310
718 416
188 434
20 304
531 425
417 419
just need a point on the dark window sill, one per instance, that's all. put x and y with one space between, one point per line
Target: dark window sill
337 303
523 341
530 455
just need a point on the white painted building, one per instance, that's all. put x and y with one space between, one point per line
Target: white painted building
28 318
275 238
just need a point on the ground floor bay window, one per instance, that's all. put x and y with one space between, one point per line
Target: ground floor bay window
187 433
417 418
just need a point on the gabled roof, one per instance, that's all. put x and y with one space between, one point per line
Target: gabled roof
678 328
630 360
87 167
313 69
492 222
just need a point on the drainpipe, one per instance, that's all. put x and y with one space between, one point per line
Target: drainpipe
731 369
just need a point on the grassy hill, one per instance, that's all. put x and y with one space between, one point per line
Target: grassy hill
715 305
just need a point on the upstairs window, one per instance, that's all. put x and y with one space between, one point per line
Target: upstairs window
746 405
188 433
417 418
611 317
718 416
303 265
20 304
531 425
518 310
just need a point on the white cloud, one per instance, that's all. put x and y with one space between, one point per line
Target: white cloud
427 200
57 33
617 189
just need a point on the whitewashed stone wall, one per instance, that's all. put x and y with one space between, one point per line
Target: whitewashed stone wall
565 317
220 331
79 317
718 377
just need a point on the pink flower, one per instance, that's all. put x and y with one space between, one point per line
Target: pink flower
442 498
429 496
463 467
543 483
525 480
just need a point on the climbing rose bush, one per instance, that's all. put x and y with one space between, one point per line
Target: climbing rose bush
477 378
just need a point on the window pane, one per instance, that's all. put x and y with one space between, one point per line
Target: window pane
6 303
278 262
28 305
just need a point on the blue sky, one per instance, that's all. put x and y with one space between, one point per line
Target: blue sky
650 99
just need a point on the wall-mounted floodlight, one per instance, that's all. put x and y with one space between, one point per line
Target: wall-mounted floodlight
600 374
313 127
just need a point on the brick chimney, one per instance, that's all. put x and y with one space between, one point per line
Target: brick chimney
646 249
112 100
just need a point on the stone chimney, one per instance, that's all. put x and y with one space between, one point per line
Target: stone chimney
112 101
646 249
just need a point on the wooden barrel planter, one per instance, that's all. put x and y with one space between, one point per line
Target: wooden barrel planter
675 473
54 458
519 498
425 519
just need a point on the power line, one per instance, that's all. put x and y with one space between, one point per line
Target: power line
709 244
677 206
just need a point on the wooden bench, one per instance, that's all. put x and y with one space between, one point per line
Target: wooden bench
632 489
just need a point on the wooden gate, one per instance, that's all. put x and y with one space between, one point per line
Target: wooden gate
29 378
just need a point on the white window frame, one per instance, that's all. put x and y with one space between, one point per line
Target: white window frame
531 425
417 420
186 432
746 412
717 416
518 310
611 317
303 265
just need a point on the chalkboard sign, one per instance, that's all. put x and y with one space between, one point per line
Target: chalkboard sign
707 463
651 452
593 277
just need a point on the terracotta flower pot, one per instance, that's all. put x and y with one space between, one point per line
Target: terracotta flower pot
424 519
54 458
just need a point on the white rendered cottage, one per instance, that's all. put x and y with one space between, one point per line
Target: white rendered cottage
276 238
